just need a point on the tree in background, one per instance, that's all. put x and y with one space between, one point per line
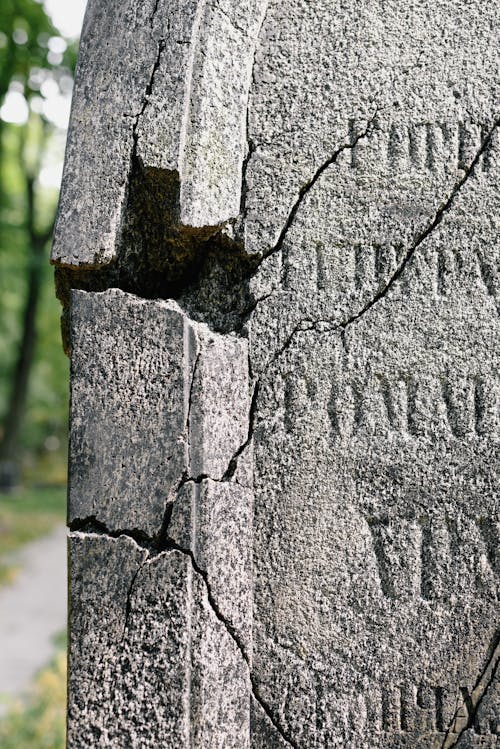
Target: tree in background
36 64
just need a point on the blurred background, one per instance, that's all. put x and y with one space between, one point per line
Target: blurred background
38 49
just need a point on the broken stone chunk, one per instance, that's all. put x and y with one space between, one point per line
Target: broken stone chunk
155 398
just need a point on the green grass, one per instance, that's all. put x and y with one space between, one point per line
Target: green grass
38 721
25 516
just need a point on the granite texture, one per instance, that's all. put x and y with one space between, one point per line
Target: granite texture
155 399
150 662
286 463
161 86
375 341
214 521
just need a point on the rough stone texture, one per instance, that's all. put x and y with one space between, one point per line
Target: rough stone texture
376 437
155 399
353 152
214 521
150 663
164 83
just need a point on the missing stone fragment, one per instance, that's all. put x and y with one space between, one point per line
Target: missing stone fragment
204 270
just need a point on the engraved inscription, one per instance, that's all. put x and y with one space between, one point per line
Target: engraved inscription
429 146
356 268
461 407
425 710
423 556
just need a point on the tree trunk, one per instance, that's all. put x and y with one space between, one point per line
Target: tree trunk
9 446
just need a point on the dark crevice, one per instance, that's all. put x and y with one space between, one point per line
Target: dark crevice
206 271
235 638
251 145
158 257
148 92
233 463
481 687
172 546
207 275
433 224
91 524
308 186
227 477
153 14
251 148
287 738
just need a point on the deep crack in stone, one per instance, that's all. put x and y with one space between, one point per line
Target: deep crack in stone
155 548
307 325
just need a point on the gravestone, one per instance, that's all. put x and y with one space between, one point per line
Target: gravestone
276 251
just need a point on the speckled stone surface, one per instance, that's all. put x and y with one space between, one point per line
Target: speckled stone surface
214 521
155 399
337 164
150 663
165 83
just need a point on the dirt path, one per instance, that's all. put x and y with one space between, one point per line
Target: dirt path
32 610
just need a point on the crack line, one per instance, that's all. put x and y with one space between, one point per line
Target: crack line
149 90
460 722
443 209
251 146
153 14
154 550
307 324
235 638
128 605
233 463
307 187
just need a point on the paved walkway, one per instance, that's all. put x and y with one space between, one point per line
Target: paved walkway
32 610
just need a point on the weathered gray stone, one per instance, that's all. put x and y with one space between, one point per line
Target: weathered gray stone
214 521
328 549
155 398
165 84
150 663
375 341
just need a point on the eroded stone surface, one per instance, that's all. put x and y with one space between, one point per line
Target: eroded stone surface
163 87
376 435
150 661
214 521
155 398
357 152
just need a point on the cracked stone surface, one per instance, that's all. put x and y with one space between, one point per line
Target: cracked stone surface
143 626
155 398
165 83
284 442
214 521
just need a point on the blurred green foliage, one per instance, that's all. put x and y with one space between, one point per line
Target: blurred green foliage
44 427
33 59
26 30
39 721
25 516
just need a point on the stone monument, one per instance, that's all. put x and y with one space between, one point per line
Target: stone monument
277 253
